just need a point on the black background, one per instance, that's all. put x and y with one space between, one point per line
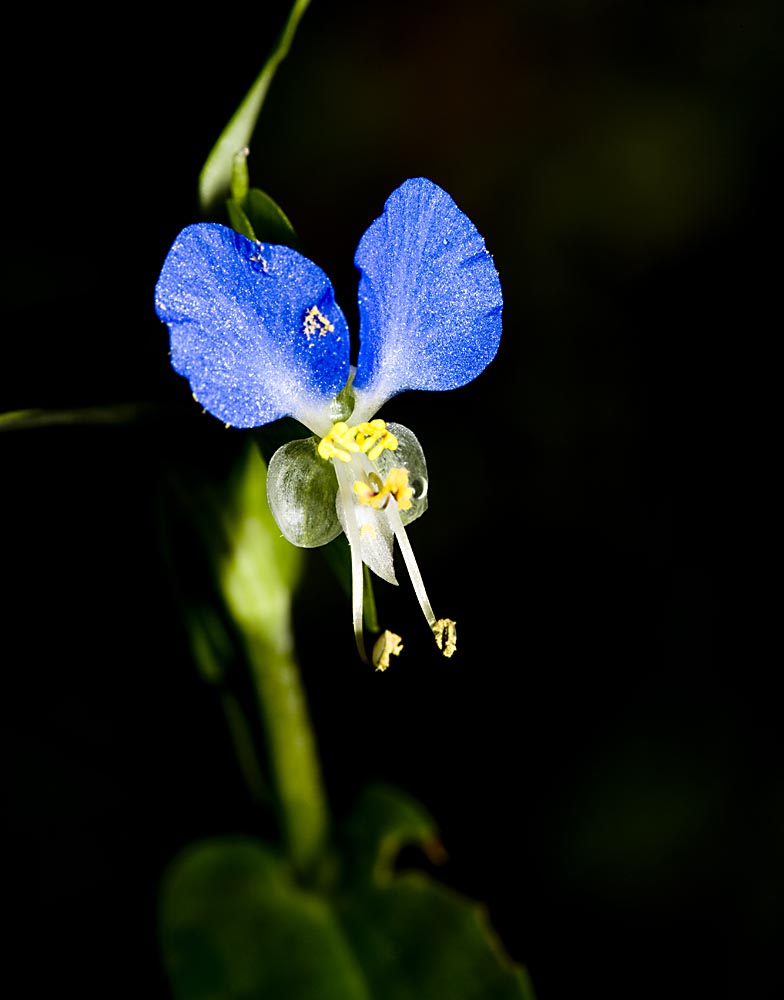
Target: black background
602 755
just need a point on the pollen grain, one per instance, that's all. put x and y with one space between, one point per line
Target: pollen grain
316 323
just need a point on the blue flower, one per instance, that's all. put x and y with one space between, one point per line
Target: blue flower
257 332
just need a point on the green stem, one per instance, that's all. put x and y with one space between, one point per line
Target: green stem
258 571
292 751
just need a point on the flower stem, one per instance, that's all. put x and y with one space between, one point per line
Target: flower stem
293 757
258 571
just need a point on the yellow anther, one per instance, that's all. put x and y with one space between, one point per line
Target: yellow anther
373 437
397 486
339 443
388 644
315 322
445 633
370 437
374 494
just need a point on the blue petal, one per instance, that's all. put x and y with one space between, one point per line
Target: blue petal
238 313
429 297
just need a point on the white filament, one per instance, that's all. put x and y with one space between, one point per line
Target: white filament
410 560
345 484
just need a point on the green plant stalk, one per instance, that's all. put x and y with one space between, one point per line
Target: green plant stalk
292 751
258 570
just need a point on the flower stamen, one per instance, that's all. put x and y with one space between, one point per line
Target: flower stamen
445 633
338 443
373 437
376 494
444 629
388 644
370 437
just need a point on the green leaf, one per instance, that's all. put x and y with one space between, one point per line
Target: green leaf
122 413
261 219
216 174
414 937
269 220
234 924
253 213
384 821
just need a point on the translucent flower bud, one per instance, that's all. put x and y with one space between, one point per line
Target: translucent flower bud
408 455
301 494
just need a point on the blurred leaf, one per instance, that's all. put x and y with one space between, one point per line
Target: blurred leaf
235 591
211 643
216 174
413 936
235 923
243 571
122 413
384 821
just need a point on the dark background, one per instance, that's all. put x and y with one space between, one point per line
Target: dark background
603 754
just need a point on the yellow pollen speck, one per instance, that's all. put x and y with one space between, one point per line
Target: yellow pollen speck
315 322
258 259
